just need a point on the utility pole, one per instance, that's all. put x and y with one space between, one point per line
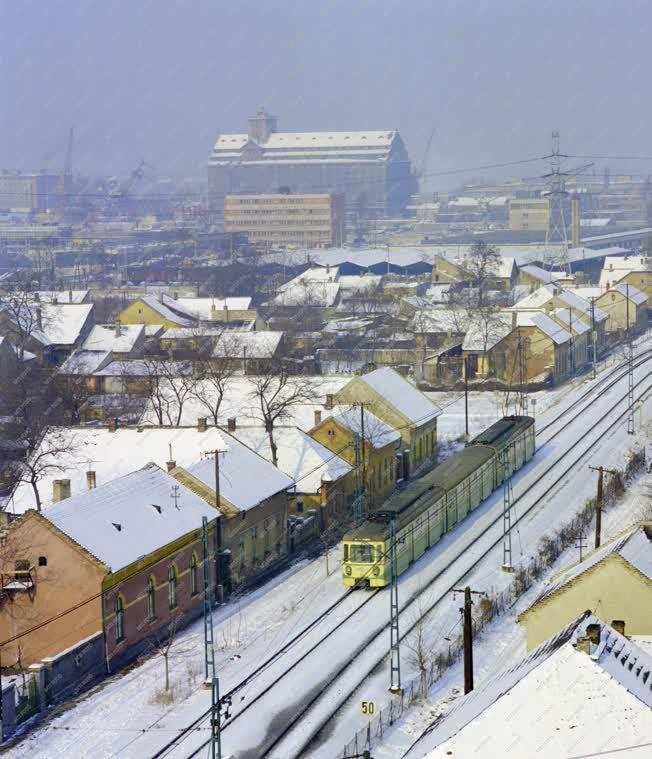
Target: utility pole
522 370
571 357
466 396
593 338
630 366
556 230
507 511
209 650
580 543
362 448
395 652
216 718
468 634
599 500
218 523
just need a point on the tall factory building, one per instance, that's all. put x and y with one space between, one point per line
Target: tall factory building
370 169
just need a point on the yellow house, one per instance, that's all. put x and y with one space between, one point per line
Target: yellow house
398 403
632 270
338 432
620 300
152 310
614 581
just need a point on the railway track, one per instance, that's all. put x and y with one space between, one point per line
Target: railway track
416 597
603 384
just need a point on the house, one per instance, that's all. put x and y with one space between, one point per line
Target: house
434 327
84 457
396 401
583 692
517 346
52 331
150 310
550 297
122 340
123 560
627 308
322 481
62 296
614 580
253 501
252 352
634 270
235 309
379 448
532 277
580 348
199 340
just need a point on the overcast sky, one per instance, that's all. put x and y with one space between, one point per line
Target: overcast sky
159 79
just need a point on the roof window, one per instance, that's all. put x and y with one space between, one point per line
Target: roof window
117 525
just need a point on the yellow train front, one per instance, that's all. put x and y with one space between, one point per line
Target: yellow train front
433 504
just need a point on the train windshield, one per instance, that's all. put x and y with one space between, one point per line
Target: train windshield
362 553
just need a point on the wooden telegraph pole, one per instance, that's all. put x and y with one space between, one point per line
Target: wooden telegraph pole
599 500
468 634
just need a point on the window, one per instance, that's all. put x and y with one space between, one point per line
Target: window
254 542
193 575
266 535
42 561
151 600
21 573
172 587
119 620
299 507
362 553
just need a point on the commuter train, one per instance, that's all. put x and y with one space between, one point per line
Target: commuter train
433 504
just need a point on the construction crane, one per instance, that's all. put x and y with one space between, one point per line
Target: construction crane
421 175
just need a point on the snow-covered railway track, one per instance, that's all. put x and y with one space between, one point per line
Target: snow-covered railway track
308 724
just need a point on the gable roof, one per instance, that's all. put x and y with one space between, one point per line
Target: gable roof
164 311
634 546
202 308
563 316
300 456
617 267
246 479
554 691
377 432
103 338
142 507
484 334
401 394
543 275
631 292
570 298
247 344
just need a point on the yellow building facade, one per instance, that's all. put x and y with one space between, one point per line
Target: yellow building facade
305 220
529 213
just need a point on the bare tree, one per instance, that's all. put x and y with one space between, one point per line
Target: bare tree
480 265
420 653
276 395
168 385
214 375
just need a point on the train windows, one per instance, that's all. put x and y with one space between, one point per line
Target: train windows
362 553
346 552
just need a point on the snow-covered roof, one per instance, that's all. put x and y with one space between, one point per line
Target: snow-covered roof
565 317
322 273
401 394
546 324
631 292
83 362
248 344
202 308
300 456
62 296
246 479
376 432
109 455
439 320
358 282
570 298
102 338
302 292
543 275
130 517
484 333
62 324
617 267
634 546
463 202
347 324
557 702
161 308
136 367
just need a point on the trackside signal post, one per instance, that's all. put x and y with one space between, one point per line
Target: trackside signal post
599 500
395 653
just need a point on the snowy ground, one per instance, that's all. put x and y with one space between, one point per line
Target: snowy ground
125 716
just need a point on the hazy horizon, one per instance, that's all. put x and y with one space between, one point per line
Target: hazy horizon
159 80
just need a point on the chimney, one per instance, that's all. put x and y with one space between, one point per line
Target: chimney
201 424
37 298
593 633
213 312
514 320
60 490
117 327
55 300
160 296
91 479
113 424
69 296
175 295
618 625
170 465
39 319
329 400
317 417
230 424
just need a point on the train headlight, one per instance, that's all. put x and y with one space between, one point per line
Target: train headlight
347 570
376 571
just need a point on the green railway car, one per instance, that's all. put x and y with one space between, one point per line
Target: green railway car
433 504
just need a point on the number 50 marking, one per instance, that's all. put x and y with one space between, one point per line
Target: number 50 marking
367 708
